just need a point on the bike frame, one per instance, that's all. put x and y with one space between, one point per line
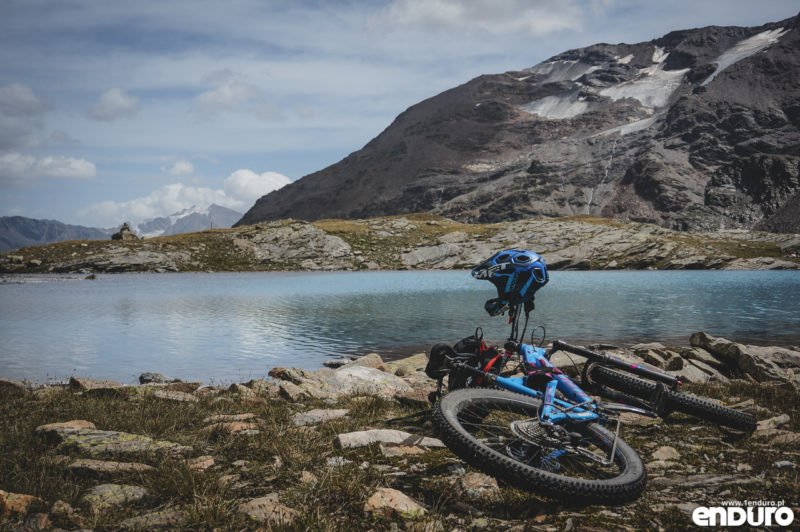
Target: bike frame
579 406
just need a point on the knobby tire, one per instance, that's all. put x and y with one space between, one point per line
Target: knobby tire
465 420
676 401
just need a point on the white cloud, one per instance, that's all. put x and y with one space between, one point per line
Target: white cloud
114 103
246 186
532 17
228 97
181 167
17 169
20 117
241 189
19 100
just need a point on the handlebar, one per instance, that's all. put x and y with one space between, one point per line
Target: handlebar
608 360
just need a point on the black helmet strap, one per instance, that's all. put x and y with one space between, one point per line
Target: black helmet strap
513 319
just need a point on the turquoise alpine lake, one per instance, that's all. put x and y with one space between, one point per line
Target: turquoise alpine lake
231 327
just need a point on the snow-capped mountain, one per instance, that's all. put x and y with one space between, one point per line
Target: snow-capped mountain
188 220
698 129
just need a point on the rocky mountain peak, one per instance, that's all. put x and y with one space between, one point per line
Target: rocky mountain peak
697 129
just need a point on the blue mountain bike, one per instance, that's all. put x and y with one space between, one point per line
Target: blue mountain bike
541 431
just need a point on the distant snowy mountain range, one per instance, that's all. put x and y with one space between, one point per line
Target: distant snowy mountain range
188 221
18 231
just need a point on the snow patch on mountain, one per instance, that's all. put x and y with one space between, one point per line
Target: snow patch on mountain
560 70
653 87
558 107
630 127
745 49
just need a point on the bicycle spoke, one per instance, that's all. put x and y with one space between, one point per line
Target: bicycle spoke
492 426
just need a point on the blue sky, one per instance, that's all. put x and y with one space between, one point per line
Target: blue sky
114 111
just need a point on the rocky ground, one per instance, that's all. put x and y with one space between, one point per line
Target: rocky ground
413 242
320 451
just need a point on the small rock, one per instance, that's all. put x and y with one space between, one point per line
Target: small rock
338 461
263 386
773 422
180 386
201 463
125 233
783 463
338 362
744 467
181 397
58 431
317 416
100 467
401 372
228 417
268 509
253 402
355 379
107 495
787 438
233 427
389 450
241 389
366 437
308 477
148 377
456 469
159 519
291 391
209 391
16 503
674 363
61 509
78 384
389 502
12 388
666 453
98 443
478 486
372 360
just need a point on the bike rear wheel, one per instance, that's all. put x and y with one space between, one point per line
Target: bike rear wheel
703 408
499 432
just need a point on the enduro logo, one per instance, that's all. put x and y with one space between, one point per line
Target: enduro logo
752 513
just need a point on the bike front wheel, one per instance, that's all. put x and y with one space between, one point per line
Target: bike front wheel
672 400
499 432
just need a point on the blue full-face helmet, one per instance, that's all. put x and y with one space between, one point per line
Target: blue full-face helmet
517 274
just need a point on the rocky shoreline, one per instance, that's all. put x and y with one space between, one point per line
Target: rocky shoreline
413 242
341 449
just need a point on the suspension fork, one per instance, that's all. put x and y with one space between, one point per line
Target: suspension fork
548 413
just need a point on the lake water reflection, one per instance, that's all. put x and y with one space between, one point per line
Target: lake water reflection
227 327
